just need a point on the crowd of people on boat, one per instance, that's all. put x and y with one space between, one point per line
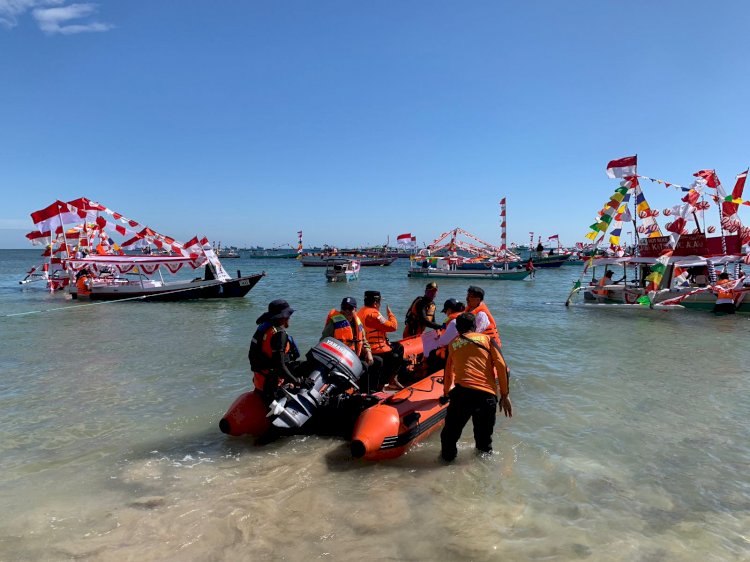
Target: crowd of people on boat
466 346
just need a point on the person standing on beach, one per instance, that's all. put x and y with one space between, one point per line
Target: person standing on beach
477 367
421 313
376 329
485 323
272 351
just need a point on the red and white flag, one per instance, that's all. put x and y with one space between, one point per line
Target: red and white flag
406 240
623 167
553 237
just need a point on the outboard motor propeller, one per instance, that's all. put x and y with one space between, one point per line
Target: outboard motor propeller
335 369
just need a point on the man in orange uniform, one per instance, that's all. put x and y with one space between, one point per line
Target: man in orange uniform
485 323
376 328
476 365
724 295
272 351
345 326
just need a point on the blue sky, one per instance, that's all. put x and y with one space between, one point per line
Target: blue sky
354 121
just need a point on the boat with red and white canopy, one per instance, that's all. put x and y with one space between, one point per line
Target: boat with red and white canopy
80 235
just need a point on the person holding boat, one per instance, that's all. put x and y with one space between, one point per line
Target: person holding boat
83 284
421 313
346 326
477 367
273 353
485 323
724 295
376 329
433 343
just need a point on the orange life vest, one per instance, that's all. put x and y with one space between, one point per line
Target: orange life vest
602 282
373 329
343 332
261 354
82 286
724 294
492 328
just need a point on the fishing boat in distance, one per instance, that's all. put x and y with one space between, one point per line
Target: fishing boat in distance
324 260
100 269
479 259
452 267
343 272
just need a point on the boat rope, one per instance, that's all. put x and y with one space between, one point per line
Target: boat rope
140 297
411 390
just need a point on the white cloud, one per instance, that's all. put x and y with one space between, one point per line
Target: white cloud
52 16
11 9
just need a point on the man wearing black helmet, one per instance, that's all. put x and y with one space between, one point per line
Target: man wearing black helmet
272 351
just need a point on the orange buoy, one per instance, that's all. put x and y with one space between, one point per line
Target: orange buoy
246 416
386 430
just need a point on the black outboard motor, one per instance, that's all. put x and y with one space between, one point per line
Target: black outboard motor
335 369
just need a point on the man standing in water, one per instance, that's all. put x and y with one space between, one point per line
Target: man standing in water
272 350
476 365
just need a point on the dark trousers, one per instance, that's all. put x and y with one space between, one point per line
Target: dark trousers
467 403
725 308
369 382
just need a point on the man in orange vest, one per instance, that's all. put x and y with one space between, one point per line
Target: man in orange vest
376 328
272 352
345 326
83 284
476 365
485 323
724 295
601 293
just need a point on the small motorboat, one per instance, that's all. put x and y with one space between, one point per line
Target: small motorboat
381 426
343 272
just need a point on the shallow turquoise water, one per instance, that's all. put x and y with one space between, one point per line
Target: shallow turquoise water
629 441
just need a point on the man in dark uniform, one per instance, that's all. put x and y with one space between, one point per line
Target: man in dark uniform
273 353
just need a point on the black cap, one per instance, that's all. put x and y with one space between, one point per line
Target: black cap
476 291
277 310
348 302
451 304
465 322
372 294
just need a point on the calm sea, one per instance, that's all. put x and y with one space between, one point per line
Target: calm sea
630 439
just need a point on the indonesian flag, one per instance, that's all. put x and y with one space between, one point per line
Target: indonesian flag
623 167
406 240
712 180
553 237
729 209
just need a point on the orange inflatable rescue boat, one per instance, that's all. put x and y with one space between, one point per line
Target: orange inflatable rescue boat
389 428
386 425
